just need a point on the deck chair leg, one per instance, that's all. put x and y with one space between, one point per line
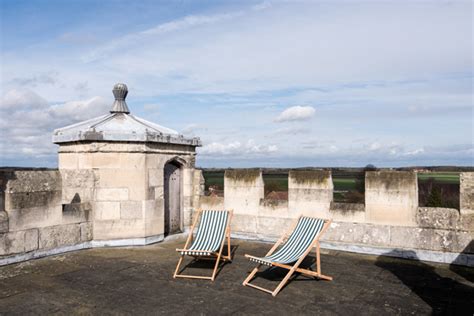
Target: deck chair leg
215 267
251 275
177 267
229 255
318 259
283 282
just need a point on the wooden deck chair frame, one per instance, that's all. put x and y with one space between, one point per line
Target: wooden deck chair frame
218 255
295 267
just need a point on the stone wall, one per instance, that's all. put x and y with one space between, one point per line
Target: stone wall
389 222
127 187
37 214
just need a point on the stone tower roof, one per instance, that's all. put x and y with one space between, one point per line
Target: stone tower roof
120 125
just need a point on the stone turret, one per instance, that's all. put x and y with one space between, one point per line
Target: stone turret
142 174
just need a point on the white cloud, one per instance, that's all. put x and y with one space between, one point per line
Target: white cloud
296 113
237 148
27 121
191 129
20 99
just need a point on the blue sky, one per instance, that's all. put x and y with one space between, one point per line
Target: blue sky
269 84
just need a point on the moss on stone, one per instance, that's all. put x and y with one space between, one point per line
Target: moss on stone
243 175
313 176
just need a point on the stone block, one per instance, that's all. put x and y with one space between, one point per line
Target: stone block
243 178
80 178
274 208
153 209
67 161
244 224
3 222
12 243
391 197
31 240
58 236
411 237
343 232
111 194
107 210
86 231
131 209
21 200
466 222
273 227
431 217
155 177
34 181
313 180
154 226
466 191
347 212
118 229
22 219
211 202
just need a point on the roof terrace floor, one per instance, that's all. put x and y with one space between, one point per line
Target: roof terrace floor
138 280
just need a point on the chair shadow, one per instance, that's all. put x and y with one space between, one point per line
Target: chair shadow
208 263
276 274
444 295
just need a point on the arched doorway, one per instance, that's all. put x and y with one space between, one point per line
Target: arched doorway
172 196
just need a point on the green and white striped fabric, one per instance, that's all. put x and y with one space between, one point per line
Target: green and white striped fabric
210 233
298 242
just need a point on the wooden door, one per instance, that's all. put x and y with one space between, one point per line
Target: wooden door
172 195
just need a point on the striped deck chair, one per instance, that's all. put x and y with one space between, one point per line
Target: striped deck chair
305 234
212 232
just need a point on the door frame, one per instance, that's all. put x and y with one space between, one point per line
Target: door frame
177 162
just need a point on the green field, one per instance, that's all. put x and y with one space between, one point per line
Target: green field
440 177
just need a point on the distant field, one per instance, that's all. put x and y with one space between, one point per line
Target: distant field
441 177
279 182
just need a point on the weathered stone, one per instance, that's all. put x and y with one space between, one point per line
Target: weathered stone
26 218
57 236
272 227
410 237
12 243
117 229
391 197
310 192
34 181
131 209
76 212
466 222
433 217
3 222
106 210
211 202
77 178
343 232
244 224
31 239
86 231
466 192
21 200
111 194
348 212
243 190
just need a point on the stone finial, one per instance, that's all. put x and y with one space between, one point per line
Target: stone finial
120 92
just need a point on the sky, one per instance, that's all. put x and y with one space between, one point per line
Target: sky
262 83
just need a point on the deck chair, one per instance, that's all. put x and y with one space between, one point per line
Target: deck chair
305 234
213 230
